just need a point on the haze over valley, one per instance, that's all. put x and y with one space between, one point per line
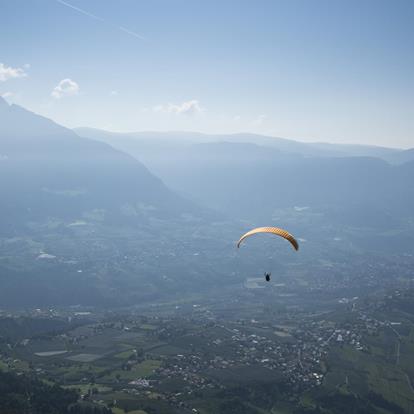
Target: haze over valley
145 224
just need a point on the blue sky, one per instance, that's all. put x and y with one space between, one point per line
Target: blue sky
312 70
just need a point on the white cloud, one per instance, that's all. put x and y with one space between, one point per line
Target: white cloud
189 108
113 93
7 72
66 87
7 94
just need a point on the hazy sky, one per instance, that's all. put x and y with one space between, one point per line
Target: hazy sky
338 71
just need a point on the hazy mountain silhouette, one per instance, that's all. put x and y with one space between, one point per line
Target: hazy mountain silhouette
148 142
401 157
74 210
46 170
111 232
251 180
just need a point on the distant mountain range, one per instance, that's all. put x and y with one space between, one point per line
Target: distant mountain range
46 170
87 219
251 176
153 142
82 222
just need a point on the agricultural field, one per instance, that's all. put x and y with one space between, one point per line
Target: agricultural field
272 363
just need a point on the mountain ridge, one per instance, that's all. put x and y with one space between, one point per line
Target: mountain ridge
49 163
256 179
286 144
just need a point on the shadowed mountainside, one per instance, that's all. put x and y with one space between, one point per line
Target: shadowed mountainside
46 170
350 184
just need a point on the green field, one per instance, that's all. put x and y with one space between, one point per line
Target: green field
141 370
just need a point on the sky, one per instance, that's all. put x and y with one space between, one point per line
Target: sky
311 70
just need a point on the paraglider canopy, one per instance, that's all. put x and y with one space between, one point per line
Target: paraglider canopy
273 230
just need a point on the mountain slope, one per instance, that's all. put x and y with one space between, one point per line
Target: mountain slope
401 157
252 181
48 171
83 223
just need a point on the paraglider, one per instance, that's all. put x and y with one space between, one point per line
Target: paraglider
273 230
